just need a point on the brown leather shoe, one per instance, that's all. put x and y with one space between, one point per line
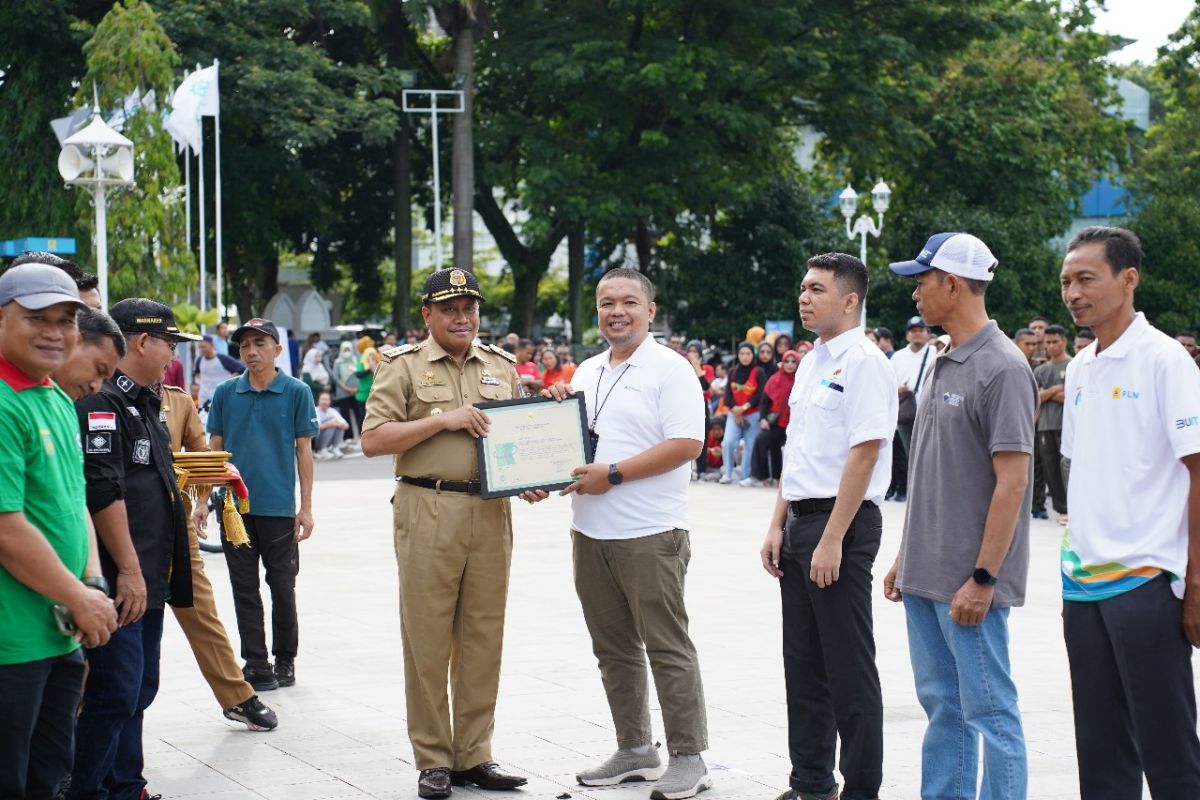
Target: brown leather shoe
486 776
434 783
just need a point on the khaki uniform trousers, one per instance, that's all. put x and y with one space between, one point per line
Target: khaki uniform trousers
631 591
206 634
453 552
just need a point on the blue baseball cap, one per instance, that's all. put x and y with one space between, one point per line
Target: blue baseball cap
955 253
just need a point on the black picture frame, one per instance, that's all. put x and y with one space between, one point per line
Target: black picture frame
487 490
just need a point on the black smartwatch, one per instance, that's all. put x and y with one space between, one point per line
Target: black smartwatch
97 582
983 577
614 475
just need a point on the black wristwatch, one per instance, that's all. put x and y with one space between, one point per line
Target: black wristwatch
97 582
983 577
614 475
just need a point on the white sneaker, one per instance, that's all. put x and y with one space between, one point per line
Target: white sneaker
686 776
321 455
622 766
750 483
725 479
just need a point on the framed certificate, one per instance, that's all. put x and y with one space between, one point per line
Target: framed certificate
532 443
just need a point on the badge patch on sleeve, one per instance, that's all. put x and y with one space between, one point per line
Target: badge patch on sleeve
102 421
141 451
99 443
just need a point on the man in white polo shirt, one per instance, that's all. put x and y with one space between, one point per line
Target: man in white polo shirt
836 466
630 539
1131 555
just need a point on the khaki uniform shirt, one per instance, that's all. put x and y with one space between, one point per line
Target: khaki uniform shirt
182 420
418 381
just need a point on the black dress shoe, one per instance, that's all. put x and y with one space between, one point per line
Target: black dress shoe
486 776
434 783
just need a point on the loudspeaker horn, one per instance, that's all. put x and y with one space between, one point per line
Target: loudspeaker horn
72 163
119 164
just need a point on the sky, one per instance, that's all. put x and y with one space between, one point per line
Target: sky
1148 21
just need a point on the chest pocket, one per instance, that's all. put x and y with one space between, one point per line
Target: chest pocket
827 399
434 396
501 391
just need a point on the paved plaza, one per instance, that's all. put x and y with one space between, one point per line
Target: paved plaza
342 730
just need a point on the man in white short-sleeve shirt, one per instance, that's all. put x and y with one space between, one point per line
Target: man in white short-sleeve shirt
630 539
836 466
1131 610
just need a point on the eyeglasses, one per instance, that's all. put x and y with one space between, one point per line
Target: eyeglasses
171 343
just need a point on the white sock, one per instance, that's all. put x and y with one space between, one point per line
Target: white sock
643 750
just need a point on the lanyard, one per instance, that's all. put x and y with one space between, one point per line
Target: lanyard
596 416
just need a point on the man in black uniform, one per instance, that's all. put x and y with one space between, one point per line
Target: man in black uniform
139 516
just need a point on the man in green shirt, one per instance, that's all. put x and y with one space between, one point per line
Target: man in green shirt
52 597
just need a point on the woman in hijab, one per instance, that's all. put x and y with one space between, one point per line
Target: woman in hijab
694 352
345 384
782 343
742 396
766 358
314 374
774 413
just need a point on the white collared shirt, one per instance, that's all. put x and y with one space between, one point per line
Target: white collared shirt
1130 414
650 398
844 395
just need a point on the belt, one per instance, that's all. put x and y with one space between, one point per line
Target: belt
814 506
465 487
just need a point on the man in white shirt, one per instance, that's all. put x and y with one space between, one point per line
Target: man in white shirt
836 466
1131 555
630 539
213 369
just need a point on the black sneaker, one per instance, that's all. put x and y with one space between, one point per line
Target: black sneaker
285 671
261 678
253 714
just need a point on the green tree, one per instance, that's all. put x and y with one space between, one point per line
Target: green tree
129 52
1163 185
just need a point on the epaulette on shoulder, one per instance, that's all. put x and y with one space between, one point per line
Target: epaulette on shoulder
391 352
169 388
500 351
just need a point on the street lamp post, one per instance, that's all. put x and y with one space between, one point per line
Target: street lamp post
99 157
881 197
433 110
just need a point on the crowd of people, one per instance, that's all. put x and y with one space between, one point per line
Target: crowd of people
98 535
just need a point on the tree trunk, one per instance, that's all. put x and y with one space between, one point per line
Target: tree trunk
575 283
524 302
402 224
641 241
463 166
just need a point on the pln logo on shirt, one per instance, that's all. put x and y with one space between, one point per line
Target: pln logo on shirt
1119 393
952 399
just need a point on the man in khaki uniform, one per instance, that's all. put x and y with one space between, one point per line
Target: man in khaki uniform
200 624
453 548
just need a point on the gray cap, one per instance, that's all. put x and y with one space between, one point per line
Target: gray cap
38 286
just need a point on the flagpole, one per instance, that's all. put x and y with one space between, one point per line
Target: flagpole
217 168
203 229
187 195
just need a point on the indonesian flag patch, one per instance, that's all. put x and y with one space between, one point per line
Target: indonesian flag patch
102 421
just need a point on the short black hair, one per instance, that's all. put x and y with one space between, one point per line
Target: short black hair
1185 333
524 343
1056 330
632 275
1122 248
96 326
976 286
1038 318
1023 332
1086 333
84 281
884 333
848 272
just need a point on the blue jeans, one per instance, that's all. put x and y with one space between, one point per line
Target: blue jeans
121 684
735 433
964 684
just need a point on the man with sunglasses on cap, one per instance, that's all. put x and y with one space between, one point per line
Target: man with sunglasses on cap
47 559
267 419
140 522
964 557
453 548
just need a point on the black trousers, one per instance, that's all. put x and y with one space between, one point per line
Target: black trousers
767 460
1135 703
271 541
38 700
900 440
352 410
1038 502
829 660
1049 446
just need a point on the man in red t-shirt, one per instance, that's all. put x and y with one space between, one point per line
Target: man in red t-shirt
531 378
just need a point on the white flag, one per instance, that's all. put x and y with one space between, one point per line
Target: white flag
197 96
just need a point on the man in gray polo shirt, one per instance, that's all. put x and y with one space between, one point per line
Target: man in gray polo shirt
965 553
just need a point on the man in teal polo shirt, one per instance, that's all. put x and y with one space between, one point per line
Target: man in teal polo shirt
267 419
45 553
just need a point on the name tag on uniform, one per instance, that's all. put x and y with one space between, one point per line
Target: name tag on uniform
133 411
162 415
102 421
489 380
837 387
